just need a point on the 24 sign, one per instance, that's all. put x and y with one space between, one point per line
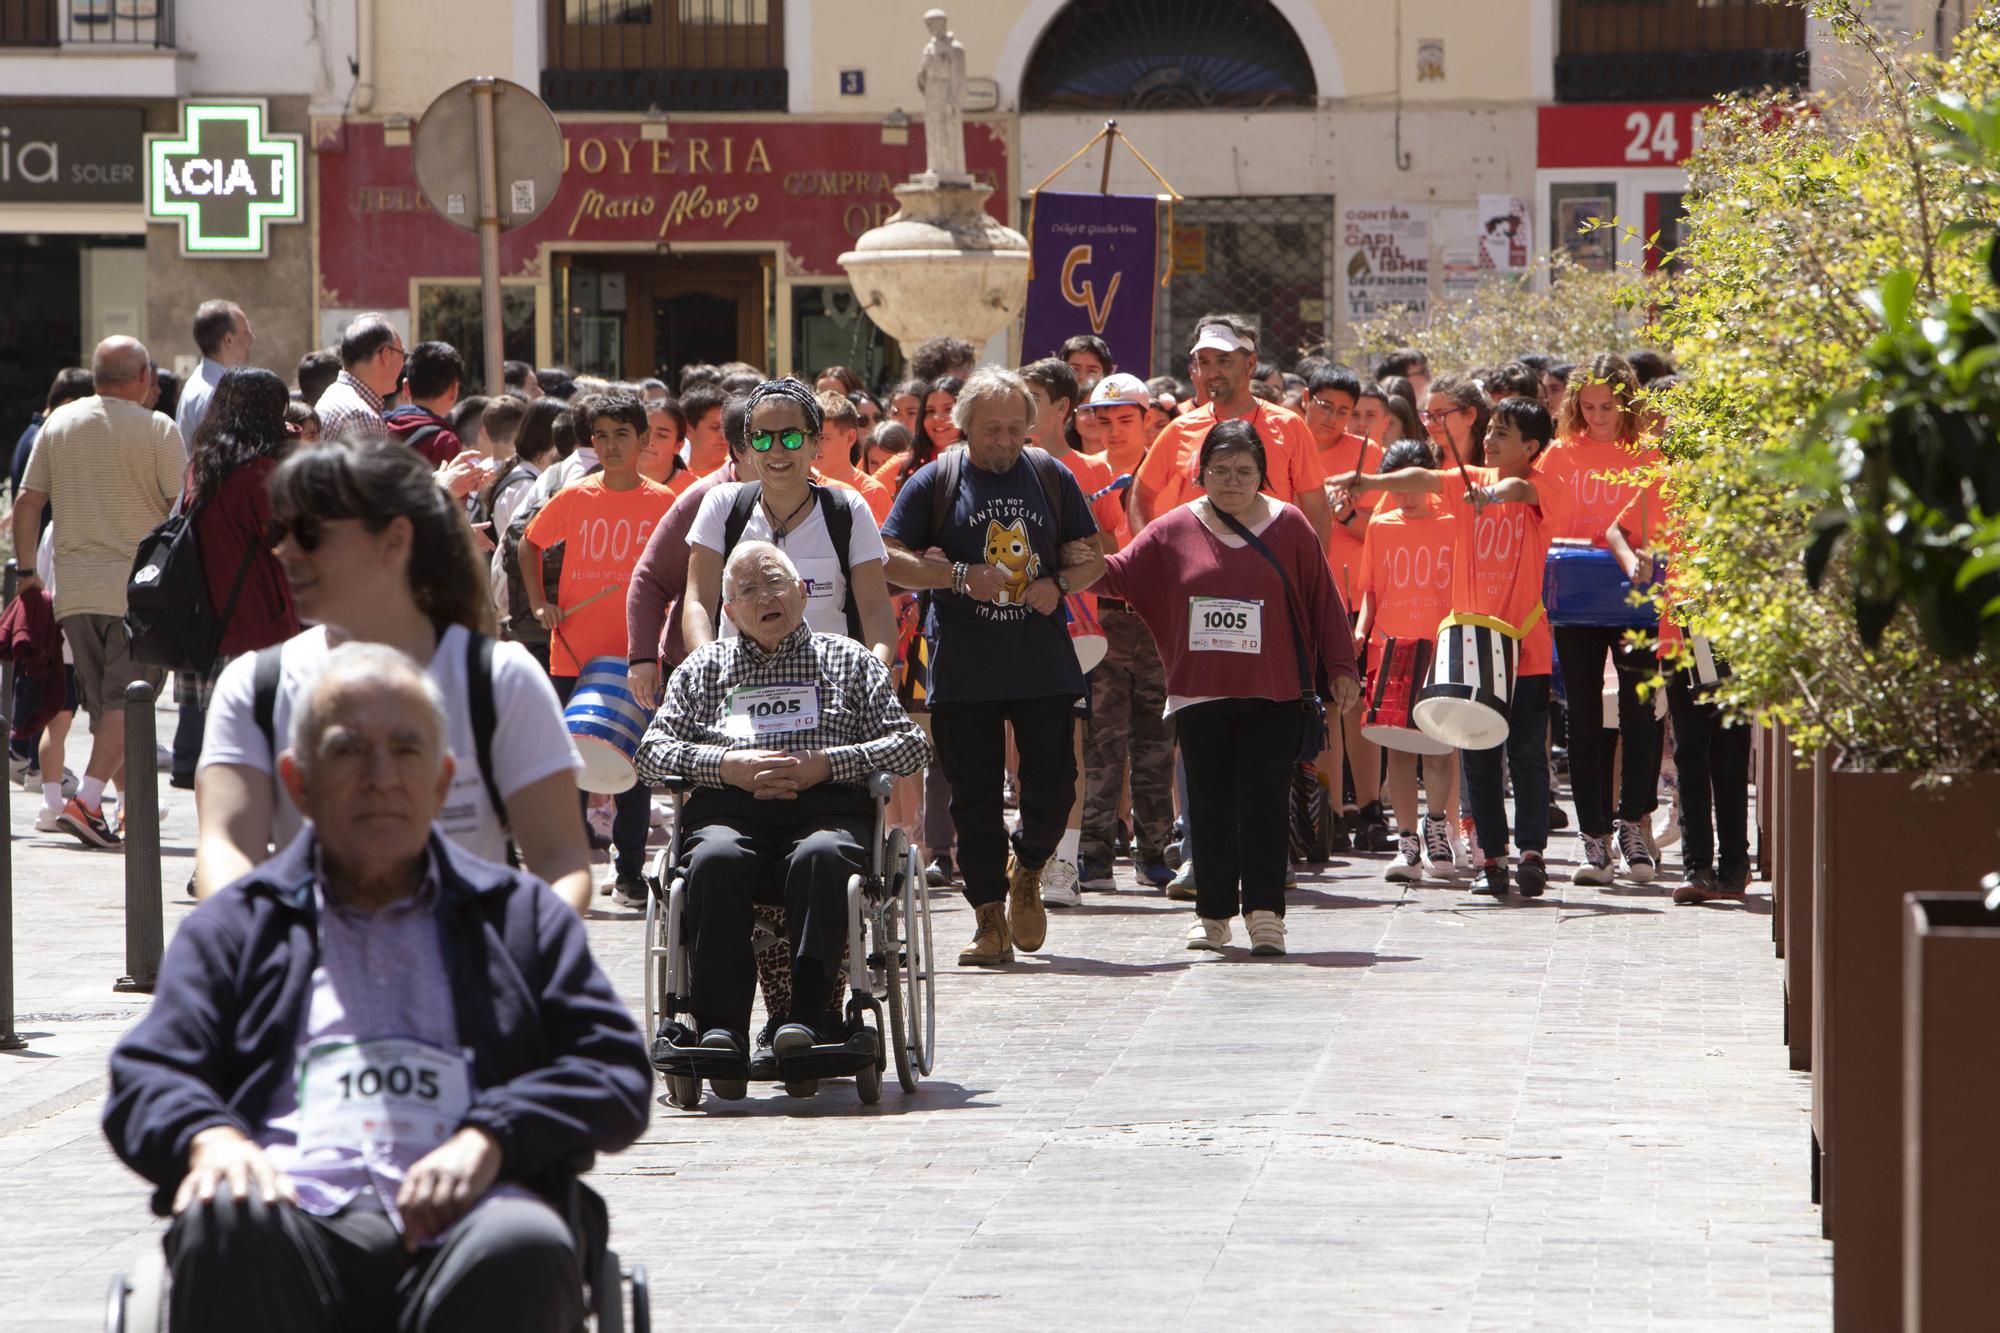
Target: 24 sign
1662 134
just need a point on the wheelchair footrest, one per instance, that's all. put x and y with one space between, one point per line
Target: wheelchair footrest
675 1051
832 1059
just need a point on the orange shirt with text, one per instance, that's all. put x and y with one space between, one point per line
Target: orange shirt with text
1502 551
603 533
1406 562
1584 485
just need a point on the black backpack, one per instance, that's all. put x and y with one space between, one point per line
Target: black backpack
169 616
839 521
479 704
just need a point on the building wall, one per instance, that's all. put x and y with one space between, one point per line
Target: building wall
275 292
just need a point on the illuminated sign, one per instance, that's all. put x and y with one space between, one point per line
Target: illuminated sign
224 179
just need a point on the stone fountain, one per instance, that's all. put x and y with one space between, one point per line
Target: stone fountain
940 265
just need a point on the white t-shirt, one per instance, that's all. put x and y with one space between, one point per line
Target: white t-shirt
809 545
530 740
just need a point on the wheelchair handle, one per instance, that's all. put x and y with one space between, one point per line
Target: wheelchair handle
881 785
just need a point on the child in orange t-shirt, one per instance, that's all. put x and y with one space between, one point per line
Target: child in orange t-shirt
1405 588
1502 549
603 521
1711 753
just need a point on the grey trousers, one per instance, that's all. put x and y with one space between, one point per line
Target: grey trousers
238 1265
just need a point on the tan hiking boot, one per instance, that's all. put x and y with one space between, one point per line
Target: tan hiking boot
1026 916
991 945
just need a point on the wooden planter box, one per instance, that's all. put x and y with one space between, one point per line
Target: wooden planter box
1792 813
1770 744
1878 835
1951 1089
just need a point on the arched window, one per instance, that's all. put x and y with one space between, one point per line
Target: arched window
1167 55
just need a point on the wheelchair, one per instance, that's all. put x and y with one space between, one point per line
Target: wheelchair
890 967
138 1304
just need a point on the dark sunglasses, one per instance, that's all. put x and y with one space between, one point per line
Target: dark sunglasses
305 529
792 438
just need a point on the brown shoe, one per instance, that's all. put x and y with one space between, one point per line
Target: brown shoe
991 945
1026 916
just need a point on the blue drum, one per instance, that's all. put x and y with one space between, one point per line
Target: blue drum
607 724
1582 585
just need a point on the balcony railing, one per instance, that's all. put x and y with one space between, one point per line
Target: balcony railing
87 23
678 55
1676 50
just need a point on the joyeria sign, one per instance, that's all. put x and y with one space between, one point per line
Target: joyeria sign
224 179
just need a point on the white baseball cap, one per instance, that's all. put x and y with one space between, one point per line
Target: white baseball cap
1120 390
1221 338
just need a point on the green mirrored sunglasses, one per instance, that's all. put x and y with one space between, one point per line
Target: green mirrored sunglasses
792 438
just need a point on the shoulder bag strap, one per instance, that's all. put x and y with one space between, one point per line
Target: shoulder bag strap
1308 685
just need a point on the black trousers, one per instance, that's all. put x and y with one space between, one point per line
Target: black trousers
738 851
971 740
251 1266
1580 651
1714 763
631 818
1240 754
1524 751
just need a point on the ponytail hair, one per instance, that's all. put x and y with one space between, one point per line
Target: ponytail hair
375 481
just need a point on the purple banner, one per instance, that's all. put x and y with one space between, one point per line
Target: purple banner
1096 259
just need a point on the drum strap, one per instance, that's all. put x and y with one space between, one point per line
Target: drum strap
1494 623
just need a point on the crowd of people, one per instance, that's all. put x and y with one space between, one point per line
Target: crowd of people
1217 624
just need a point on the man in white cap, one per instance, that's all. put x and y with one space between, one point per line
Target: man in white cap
1224 363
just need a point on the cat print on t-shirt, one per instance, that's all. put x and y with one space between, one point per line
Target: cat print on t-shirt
1009 550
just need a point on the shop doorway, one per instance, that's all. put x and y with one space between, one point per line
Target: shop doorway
634 316
58 296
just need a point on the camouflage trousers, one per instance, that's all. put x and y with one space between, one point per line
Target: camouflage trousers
1128 695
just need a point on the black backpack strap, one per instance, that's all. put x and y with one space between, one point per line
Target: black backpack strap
485 718
740 514
421 436
839 520
264 680
1049 472
944 490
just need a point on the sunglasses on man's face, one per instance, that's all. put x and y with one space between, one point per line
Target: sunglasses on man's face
792 438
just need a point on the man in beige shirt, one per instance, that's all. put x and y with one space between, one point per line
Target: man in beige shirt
112 466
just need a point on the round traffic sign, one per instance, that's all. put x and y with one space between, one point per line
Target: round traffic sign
528 148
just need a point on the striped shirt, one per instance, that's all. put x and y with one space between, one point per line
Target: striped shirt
861 726
347 401
112 470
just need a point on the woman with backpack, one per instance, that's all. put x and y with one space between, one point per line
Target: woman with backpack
373 549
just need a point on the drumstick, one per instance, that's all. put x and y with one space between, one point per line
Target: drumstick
569 611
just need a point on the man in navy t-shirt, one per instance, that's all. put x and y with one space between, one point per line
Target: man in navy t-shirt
1012 541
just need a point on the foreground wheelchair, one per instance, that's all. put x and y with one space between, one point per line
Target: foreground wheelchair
890 964
138 1303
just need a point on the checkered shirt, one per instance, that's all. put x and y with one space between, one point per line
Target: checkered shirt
346 401
862 728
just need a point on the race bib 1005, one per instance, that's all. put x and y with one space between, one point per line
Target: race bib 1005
1225 625
763 711
394 1096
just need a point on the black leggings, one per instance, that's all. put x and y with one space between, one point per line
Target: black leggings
1714 763
1580 651
1240 755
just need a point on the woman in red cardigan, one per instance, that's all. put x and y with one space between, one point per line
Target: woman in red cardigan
1230 634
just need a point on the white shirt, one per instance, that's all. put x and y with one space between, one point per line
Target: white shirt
808 544
513 492
565 470
530 741
195 394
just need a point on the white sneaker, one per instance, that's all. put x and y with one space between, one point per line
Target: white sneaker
46 821
1408 867
1438 862
1640 862
1595 868
1209 935
1059 885
1267 933
18 766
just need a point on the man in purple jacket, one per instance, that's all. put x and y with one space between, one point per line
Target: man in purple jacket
375 1065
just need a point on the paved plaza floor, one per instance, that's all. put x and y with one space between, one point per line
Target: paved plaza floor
1436 1113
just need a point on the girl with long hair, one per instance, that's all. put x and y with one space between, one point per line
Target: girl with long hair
375 550
936 431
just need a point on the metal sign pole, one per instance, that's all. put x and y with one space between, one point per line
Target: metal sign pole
488 153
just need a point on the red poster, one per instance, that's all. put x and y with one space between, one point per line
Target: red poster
815 185
1624 134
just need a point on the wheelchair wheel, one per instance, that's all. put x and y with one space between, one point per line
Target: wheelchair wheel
656 962
894 914
868 1082
683 1091
139 1304
607 1295
922 974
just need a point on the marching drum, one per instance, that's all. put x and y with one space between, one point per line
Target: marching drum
607 725
1392 692
1086 634
1465 704
1583 585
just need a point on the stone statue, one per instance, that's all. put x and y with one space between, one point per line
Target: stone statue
941 79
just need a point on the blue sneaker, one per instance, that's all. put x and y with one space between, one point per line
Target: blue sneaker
1093 874
1181 886
1155 874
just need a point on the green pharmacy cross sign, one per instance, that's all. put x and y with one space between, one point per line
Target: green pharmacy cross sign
225 179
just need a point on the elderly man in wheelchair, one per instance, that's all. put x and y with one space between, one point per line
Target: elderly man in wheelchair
776 736
375 1065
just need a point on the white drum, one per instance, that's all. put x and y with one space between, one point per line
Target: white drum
1472 678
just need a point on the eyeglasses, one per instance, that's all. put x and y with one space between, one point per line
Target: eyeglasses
402 353
791 437
765 589
305 529
1324 406
1433 418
